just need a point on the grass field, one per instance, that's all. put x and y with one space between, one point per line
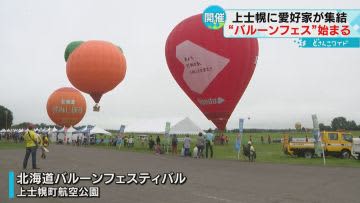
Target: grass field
266 153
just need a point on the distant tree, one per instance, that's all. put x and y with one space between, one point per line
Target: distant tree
26 124
21 125
324 127
351 125
6 117
339 123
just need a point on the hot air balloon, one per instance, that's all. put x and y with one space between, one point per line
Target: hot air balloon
212 70
298 126
66 106
95 67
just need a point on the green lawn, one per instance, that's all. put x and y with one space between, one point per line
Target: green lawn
266 153
11 145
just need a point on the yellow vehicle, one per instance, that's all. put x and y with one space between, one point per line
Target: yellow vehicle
337 144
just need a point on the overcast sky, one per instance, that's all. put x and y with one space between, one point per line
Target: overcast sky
289 83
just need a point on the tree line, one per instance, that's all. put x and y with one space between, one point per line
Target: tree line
338 123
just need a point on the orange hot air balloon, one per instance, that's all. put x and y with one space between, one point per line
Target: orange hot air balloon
95 67
66 106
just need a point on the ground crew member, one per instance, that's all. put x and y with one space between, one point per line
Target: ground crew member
31 144
209 144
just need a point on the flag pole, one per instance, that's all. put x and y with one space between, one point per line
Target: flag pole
239 136
322 147
318 138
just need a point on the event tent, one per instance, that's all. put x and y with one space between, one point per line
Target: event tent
98 130
185 126
70 130
157 125
62 130
53 129
153 125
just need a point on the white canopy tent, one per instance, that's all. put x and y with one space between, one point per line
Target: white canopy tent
68 136
52 134
70 130
98 130
179 126
62 130
185 126
83 130
153 125
53 129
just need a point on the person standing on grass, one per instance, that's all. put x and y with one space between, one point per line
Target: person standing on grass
262 139
174 143
151 143
142 140
31 144
187 143
251 152
200 145
222 139
158 140
125 141
118 142
269 139
131 141
209 144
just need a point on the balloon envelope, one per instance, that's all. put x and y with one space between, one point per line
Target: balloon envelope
66 106
297 125
96 67
212 70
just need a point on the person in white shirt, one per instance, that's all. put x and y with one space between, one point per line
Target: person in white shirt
251 152
187 143
131 141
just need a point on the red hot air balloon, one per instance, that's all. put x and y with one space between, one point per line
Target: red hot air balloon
66 106
212 70
95 67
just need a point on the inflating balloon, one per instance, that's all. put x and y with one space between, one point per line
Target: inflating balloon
66 106
95 67
212 70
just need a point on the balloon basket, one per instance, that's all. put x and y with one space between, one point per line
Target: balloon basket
96 108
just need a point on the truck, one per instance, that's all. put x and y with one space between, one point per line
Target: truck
334 143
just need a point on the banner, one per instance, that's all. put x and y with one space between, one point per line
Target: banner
167 128
316 134
121 131
241 125
310 28
239 136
